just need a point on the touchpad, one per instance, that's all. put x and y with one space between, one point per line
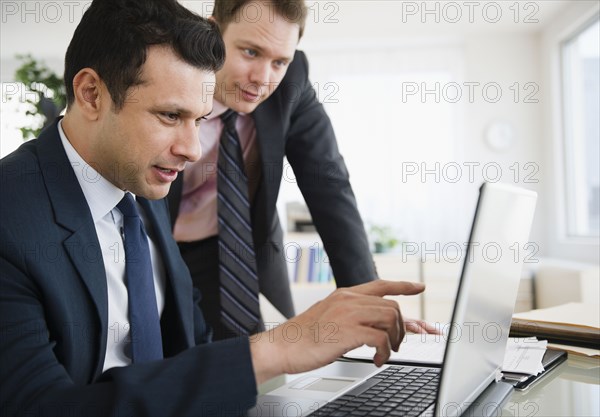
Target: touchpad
322 384
327 382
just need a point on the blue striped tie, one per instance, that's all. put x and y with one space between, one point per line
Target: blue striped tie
146 340
240 312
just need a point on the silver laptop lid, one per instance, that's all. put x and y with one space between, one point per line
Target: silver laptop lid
486 295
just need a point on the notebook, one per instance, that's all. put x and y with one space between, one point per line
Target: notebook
468 382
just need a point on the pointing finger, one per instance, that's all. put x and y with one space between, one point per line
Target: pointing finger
382 287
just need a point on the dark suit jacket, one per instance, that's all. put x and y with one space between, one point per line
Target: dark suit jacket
53 309
293 123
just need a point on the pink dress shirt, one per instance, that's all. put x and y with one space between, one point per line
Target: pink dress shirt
197 218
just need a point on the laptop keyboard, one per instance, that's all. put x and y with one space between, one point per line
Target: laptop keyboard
395 391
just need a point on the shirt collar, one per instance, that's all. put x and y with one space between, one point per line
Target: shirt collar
219 108
101 195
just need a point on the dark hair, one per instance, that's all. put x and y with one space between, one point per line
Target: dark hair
114 35
295 11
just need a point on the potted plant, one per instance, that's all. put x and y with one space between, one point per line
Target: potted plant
49 97
383 238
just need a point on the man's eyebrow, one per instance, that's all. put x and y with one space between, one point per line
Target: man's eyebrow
174 108
252 45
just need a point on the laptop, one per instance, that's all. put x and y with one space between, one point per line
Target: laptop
468 382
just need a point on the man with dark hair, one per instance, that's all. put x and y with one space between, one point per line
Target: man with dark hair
97 307
265 82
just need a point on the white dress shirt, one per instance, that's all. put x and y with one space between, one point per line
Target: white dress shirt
102 197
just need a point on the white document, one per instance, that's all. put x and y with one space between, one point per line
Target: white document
415 348
523 355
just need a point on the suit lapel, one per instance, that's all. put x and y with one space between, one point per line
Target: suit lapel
71 211
268 120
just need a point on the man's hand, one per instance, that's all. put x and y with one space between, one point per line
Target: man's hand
346 319
421 326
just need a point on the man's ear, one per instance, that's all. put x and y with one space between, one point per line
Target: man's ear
88 89
214 20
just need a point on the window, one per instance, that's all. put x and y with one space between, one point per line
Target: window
581 107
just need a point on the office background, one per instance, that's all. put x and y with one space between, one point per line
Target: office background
428 99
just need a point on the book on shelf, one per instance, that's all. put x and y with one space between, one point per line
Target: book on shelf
311 266
301 265
572 324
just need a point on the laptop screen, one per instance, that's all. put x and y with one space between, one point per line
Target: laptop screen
487 291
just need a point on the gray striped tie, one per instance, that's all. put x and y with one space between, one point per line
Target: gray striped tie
240 311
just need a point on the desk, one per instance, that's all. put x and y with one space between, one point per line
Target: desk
572 389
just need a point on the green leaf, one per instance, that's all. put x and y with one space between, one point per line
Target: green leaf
39 79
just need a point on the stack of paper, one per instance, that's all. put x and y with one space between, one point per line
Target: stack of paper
574 323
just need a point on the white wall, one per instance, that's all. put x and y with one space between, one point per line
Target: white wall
491 54
381 130
508 59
